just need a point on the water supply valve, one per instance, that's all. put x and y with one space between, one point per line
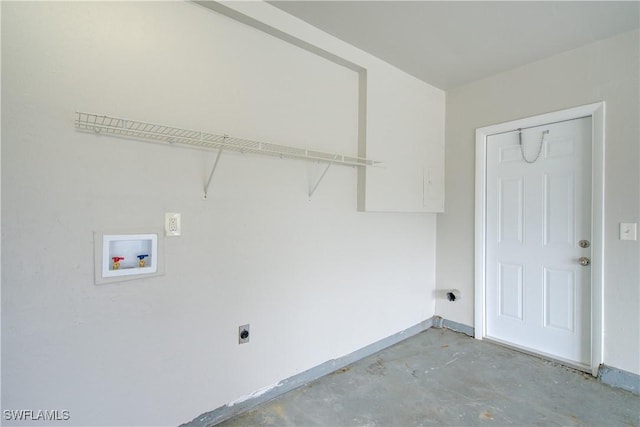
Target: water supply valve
116 262
141 260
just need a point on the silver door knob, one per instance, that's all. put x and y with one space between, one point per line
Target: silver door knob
584 244
584 261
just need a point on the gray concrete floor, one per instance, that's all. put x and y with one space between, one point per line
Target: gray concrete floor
441 377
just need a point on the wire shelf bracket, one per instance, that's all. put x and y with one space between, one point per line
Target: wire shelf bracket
213 169
313 189
160 133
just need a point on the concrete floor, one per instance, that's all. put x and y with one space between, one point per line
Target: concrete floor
441 377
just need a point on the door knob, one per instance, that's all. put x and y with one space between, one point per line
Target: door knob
584 261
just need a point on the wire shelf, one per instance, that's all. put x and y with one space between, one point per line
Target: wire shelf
149 131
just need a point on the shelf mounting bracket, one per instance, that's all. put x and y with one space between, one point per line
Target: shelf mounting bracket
313 190
215 165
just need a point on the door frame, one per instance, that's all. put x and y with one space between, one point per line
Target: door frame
597 113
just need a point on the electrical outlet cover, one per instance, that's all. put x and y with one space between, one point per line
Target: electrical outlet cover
628 231
172 224
243 334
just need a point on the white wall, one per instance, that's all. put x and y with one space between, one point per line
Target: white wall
406 130
405 123
315 280
603 71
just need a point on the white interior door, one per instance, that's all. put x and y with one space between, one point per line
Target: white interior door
537 293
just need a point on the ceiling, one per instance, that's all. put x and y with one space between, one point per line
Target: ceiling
451 43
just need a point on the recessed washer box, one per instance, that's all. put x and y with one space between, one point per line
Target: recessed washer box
124 256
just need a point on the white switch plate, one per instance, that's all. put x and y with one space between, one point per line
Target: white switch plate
172 224
628 231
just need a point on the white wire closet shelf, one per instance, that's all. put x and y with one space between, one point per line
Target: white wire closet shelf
149 131
154 132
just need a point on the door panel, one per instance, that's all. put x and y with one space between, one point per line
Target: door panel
511 210
559 299
559 214
537 294
510 291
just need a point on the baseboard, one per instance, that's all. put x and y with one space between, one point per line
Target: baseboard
441 322
459 327
269 393
618 378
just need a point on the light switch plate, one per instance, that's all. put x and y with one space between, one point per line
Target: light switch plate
172 224
628 231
